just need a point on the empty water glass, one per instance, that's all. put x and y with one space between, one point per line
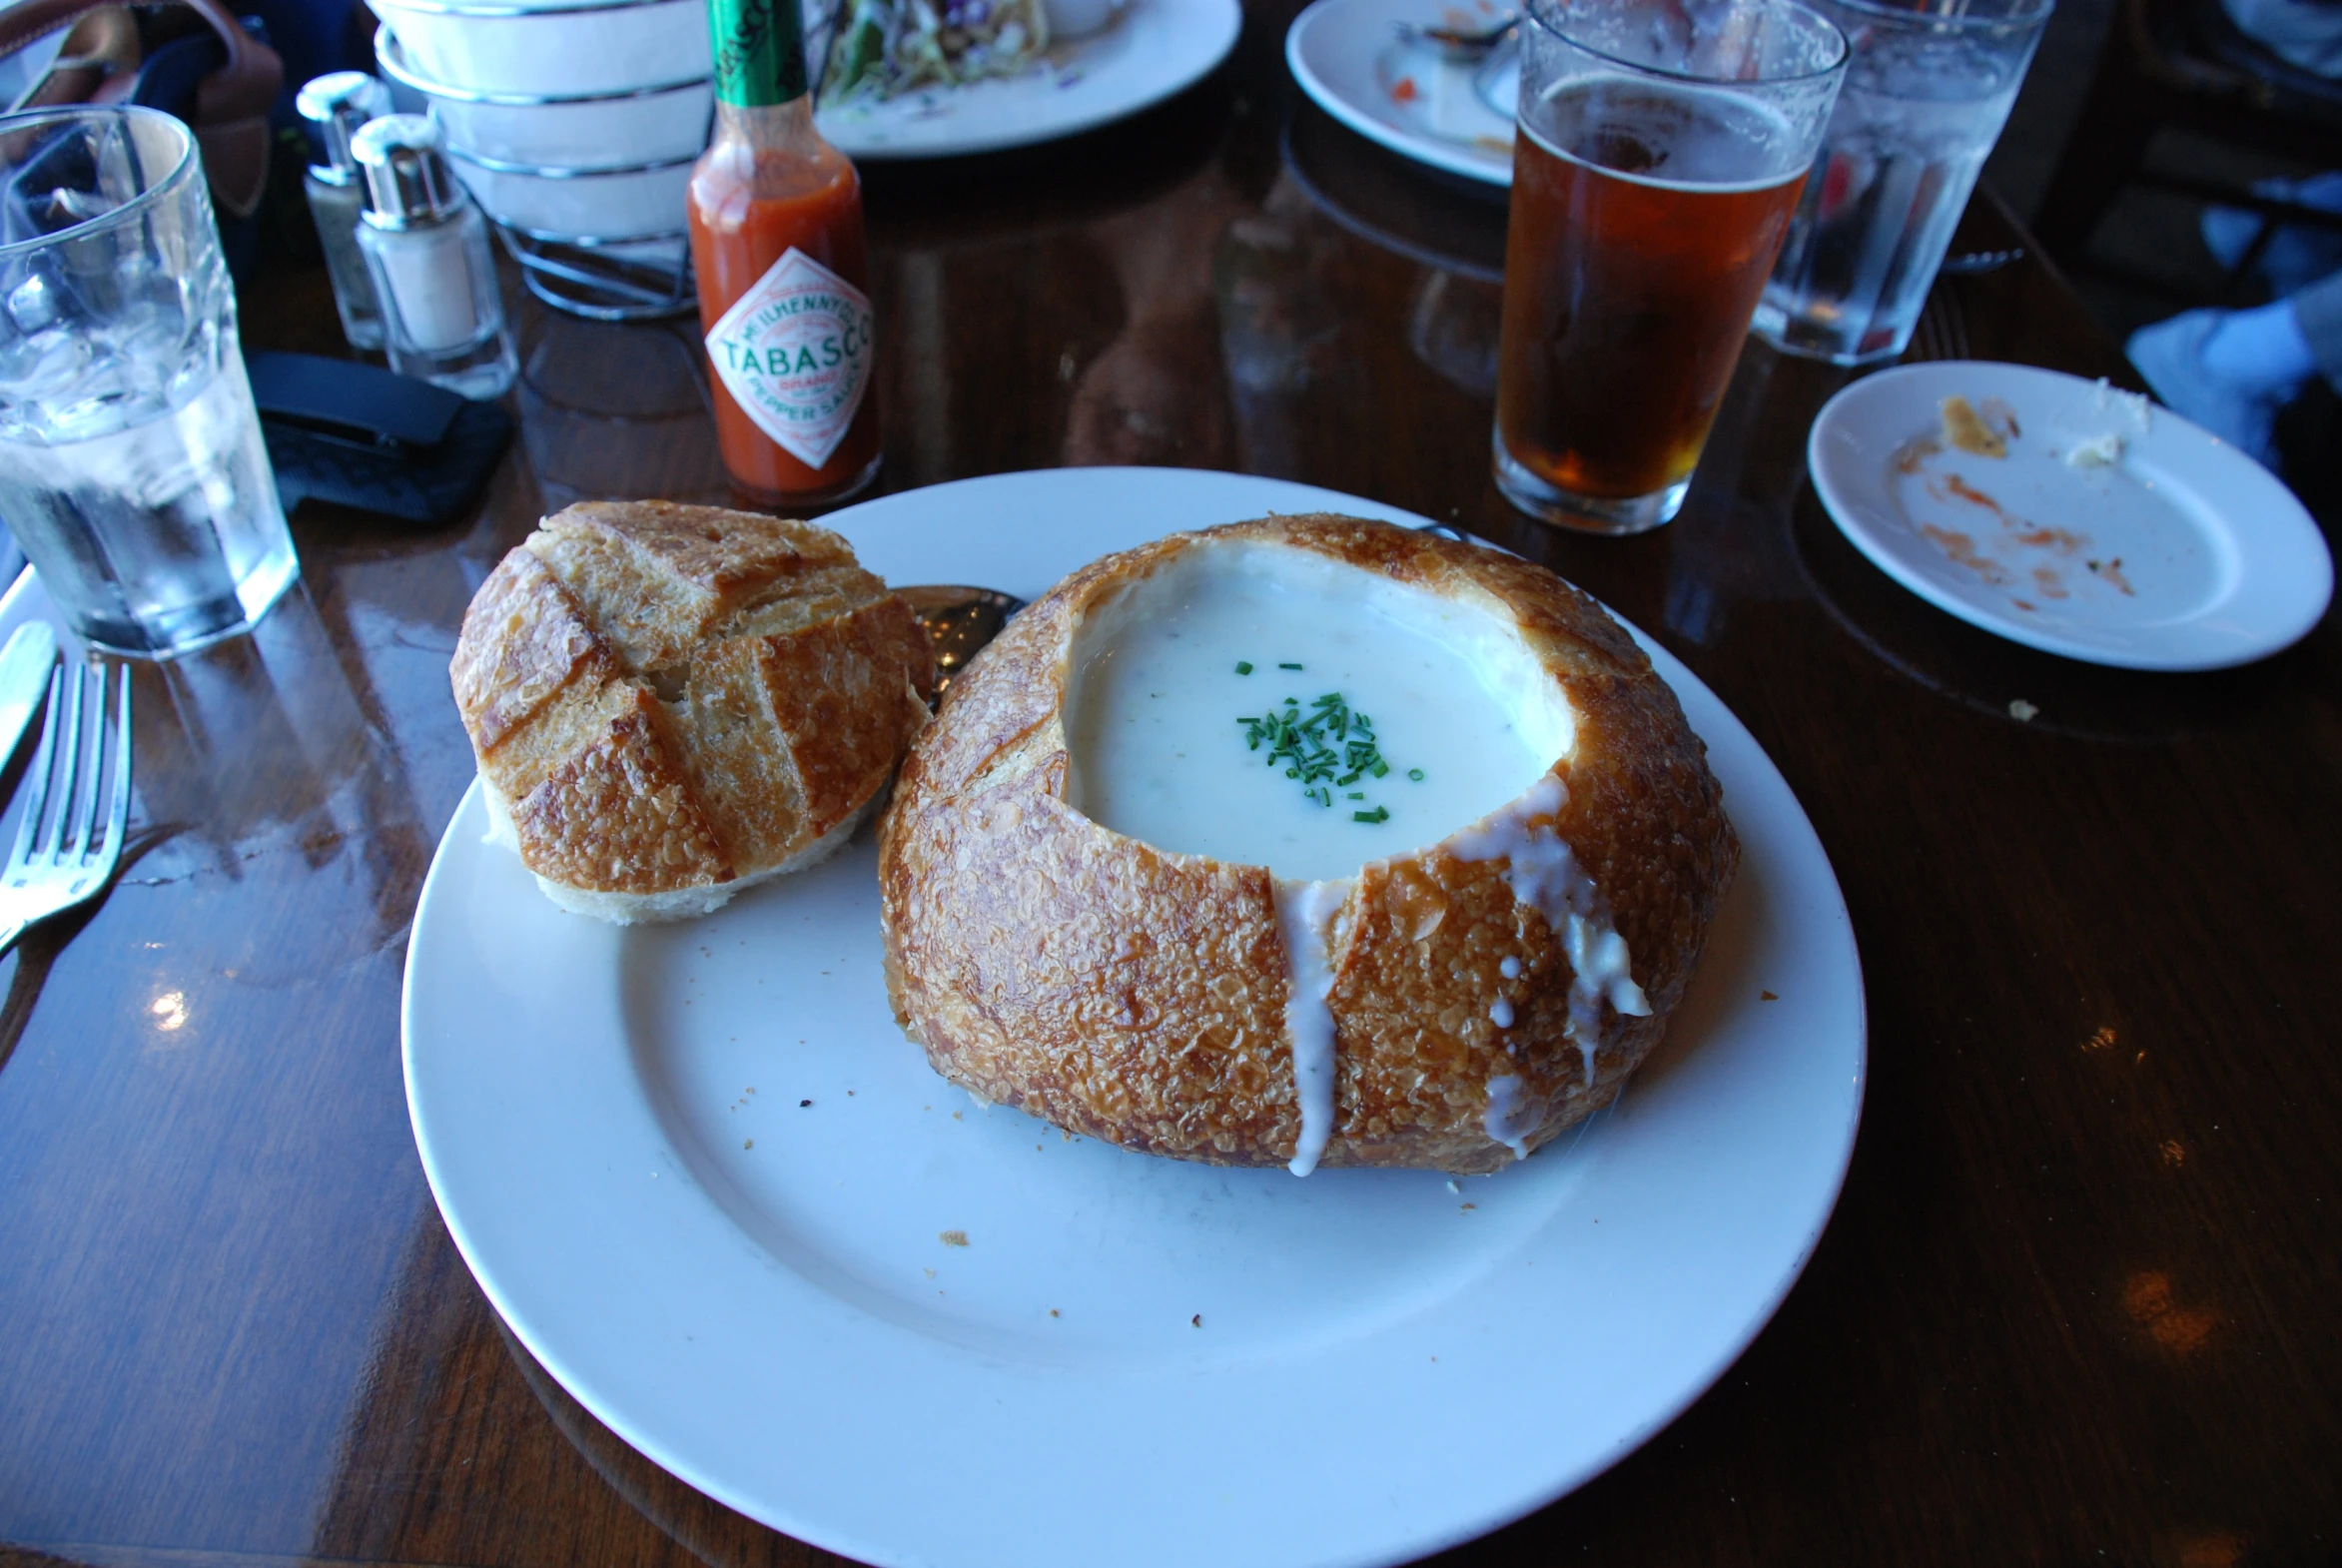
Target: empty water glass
132 470
1927 90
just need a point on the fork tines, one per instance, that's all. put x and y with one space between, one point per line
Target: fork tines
76 772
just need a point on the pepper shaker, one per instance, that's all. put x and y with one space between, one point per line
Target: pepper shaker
337 105
426 246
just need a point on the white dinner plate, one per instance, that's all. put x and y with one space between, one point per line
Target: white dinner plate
2182 553
1347 55
1151 51
712 1188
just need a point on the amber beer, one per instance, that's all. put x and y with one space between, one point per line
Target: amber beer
1659 151
1644 224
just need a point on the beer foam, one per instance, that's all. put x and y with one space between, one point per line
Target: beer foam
1723 124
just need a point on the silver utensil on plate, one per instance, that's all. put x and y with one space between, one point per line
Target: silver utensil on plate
1460 43
959 621
24 681
65 856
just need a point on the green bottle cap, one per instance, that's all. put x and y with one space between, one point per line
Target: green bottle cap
760 51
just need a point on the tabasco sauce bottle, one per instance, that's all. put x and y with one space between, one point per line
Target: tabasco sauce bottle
776 239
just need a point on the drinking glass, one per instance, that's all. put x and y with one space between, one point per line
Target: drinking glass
1660 149
1926 92
132 470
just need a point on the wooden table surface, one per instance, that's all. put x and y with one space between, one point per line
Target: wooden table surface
2075 1302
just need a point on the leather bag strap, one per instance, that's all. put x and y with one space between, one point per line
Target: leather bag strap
102 46
231 119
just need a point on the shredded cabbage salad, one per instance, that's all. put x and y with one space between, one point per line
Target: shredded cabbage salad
882 48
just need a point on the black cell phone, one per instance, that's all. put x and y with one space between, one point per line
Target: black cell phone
360 437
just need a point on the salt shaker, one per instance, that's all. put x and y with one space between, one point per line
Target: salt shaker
337 105
426 246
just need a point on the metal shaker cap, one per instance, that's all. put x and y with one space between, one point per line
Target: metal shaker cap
408 182
338 103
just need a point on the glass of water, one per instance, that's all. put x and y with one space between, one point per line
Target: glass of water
1925 95
131 466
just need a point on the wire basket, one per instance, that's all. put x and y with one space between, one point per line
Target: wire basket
642 278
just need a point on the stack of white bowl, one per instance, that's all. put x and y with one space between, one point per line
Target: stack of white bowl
574 126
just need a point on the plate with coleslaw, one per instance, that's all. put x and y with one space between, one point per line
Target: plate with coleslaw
1150 50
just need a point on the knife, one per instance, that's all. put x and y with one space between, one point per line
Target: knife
24 681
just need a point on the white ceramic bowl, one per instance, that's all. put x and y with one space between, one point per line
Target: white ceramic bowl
581 131
569 50
610 203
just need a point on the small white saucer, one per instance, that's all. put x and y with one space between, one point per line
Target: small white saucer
2181 553
1348 57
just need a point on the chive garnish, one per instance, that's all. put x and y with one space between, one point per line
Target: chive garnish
1289 667
1416 774
1325 748
1244 667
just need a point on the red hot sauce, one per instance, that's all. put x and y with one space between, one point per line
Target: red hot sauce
776 241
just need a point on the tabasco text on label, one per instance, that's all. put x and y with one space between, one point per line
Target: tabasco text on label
794 352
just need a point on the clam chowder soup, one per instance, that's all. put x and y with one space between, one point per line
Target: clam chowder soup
1266 705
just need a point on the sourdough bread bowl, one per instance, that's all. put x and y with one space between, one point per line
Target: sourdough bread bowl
1125 890
669 703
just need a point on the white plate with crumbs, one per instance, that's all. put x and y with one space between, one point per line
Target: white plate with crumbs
2082 519
1151 50
1348 57
714 1190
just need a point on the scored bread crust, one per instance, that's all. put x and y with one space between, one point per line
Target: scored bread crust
666 701
1139 995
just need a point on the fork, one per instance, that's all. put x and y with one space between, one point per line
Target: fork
53 871
1941 332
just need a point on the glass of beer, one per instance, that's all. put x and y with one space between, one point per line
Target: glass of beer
1660 150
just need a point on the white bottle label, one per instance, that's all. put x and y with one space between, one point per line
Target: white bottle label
795 354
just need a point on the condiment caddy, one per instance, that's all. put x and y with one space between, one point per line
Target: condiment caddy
575 127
